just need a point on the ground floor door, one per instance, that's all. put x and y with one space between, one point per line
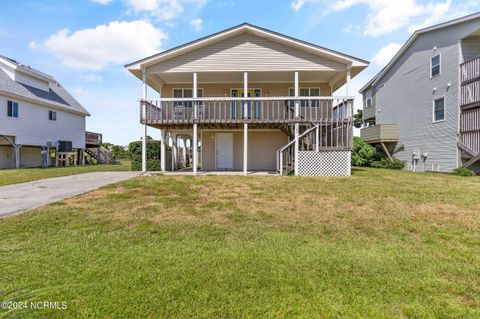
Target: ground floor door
224 151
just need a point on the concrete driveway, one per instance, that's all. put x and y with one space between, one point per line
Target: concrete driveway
25 196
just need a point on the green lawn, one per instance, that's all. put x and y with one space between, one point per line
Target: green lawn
381 244
14 176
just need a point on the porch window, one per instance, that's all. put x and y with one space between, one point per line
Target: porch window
12 109
186 94
306 92
435 66
439 110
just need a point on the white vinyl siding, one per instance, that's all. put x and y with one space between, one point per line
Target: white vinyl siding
33 128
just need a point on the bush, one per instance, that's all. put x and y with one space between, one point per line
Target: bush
153 155
363 154
463 171
387 163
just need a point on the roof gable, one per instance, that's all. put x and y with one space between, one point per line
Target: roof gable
248 28
246 52
410 41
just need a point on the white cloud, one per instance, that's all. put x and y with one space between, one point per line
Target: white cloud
91 77
386 16
386 53
114 43
33 45
196 24
104 2
164 9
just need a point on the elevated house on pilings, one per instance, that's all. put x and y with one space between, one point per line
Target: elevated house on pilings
250 99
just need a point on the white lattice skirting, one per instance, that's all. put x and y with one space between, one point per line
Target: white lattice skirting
324 163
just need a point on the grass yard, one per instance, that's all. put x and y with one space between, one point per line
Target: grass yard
14 176
381 244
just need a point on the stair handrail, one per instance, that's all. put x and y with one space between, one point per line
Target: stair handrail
281 150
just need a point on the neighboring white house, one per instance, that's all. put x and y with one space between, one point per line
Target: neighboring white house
39 119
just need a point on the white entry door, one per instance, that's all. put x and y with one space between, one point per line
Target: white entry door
224 150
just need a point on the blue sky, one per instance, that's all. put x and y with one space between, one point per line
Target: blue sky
85 43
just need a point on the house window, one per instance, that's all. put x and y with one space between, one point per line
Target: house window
52 115
12 109
435 66
307 92
368 98
186 94
439 110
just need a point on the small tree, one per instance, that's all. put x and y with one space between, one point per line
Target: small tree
358 119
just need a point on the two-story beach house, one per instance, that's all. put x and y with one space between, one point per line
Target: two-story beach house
424 106
250 99
41 124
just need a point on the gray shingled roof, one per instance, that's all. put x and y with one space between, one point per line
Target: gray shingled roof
56 95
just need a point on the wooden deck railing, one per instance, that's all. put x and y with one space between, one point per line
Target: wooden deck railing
92 138
470 129
470 82
245 110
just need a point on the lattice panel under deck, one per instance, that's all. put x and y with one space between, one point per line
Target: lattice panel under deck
324 163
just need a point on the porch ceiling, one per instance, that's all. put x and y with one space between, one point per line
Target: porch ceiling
335 78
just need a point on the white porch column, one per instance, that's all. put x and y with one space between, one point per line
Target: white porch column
174 151
347 85
16 155
195 133
163 137
245 125
144 113
297 125
163 155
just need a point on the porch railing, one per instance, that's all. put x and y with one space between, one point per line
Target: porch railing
470 82
240 110
470 129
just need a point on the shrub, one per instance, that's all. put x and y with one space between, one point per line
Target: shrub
153 155
387 163
362 153
463 171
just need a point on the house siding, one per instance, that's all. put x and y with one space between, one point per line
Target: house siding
262 149
408 94
33 128
246 52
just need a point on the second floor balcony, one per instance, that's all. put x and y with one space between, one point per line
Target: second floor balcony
235 110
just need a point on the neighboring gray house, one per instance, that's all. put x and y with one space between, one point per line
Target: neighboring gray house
424 106
41 124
